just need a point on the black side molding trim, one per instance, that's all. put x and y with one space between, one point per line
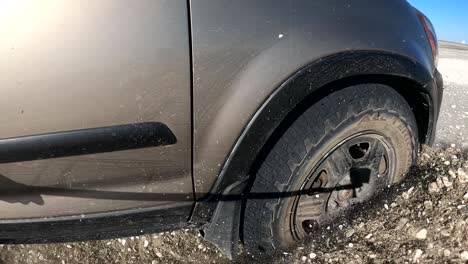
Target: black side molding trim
85 141
96 226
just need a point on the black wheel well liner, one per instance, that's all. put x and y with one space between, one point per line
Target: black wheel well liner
411 91
306 86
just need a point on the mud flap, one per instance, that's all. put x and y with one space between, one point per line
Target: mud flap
223 229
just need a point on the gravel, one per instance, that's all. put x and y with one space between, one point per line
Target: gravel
453 121
183 246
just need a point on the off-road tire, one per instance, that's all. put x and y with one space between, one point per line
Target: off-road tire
315 132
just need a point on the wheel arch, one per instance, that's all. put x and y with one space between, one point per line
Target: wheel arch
308 85
318 79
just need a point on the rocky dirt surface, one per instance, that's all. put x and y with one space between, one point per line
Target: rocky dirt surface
183 246
453 121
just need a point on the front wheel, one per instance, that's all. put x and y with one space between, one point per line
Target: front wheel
340 152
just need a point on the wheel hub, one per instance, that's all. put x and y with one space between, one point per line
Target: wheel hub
346 193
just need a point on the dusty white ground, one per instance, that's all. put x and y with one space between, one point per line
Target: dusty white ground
453 121
454 71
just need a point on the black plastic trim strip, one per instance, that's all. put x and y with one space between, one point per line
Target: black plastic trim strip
85 141
94 227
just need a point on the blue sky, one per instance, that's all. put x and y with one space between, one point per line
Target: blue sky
450 17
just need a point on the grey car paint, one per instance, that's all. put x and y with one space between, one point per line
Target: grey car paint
243 50
68 65
71 65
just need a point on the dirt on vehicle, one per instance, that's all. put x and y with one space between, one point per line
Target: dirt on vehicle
422 220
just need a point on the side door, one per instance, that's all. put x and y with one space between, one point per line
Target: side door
95 107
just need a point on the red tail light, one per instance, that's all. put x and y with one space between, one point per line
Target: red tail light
431 36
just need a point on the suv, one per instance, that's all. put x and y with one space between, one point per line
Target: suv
256 121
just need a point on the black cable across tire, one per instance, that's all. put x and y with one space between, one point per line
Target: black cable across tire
341 151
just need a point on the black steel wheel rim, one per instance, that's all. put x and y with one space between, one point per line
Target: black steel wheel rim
351 173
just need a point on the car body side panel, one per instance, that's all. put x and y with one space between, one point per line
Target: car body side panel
74 65
249 48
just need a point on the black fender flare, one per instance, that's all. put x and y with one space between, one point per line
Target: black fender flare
297 88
